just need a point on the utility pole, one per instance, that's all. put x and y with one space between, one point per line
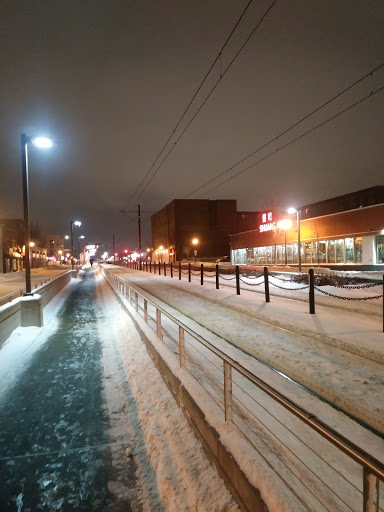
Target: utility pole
139 222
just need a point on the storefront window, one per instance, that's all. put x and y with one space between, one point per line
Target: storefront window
358 250
262 255
380 249
340 251
349 252
250 259
307 257
331 251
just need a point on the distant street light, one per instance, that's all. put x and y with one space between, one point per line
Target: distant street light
76 223
291 211
80 238
195 243
41 142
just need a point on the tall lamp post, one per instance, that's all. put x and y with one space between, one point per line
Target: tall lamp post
76 223
292 211
41 142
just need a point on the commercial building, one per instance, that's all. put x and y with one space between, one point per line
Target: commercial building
344 231
11 245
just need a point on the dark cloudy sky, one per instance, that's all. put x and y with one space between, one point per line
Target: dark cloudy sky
109 80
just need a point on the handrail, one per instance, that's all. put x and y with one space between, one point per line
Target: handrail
366 460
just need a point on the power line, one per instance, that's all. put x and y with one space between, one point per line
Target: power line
194 96
296 139
275 139
206 99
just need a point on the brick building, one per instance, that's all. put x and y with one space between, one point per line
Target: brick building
208 221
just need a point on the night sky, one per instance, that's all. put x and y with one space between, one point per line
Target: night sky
109 81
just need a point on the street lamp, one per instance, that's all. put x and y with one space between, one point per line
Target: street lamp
195 243
41 142
291 211
76 223
80 238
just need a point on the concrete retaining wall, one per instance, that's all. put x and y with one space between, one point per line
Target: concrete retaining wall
28 311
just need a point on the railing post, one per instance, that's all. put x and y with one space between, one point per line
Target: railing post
136 301
202 274
159 268
227 391
311 292
171 270
370 492
237 280
266 284
165 269
217 276
145 311
181 347
150 267
129 290
158 323
179 270
189 272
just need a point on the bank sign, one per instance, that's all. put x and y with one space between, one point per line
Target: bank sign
268 224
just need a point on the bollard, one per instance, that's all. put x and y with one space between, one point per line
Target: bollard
202 274
165 269
179 270
217 276
266 284
311 292
159 268
189 272
171 270
237 280
150 267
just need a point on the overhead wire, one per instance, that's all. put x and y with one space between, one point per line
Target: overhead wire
276 138
296 139
222 74
193 98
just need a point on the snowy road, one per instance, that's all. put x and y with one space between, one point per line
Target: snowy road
86 422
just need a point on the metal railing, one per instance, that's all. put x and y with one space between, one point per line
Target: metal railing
238 393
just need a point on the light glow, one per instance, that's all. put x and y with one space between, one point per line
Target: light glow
291 210
42 142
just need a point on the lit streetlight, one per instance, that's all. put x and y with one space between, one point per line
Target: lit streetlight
76 223
41 142
81 237
291 211
195 243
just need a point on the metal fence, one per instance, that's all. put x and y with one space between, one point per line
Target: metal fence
263 278
322 468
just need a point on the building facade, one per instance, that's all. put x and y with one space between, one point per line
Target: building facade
188 225
11 245
343 231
